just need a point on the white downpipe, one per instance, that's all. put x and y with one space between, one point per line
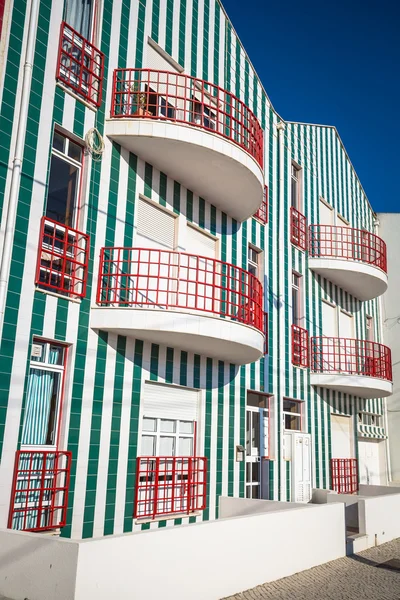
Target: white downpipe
280 127
382 314
18 155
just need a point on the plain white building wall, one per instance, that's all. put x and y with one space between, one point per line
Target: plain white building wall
389 228
205 561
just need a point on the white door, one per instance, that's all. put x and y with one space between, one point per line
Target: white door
371 456
342 436
256 447
326 359
200 275
301 467
349 354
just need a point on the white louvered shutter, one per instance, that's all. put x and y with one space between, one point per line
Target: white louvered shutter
155 227
169 402
200 243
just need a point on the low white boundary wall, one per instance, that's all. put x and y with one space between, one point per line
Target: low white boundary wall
375 510
204 561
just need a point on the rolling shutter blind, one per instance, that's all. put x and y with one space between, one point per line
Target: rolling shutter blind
155 227
199 243
169 402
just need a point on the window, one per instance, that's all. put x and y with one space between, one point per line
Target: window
201 115
292 414
253 261
167 437
297 316
295 201
63 251
64 180
43 396
371 419
79 14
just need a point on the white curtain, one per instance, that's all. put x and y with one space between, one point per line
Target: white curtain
78 15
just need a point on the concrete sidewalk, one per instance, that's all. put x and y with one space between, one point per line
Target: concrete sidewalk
355 577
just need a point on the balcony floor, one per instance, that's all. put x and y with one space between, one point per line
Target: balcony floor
363 281
356 385
196 332
205 162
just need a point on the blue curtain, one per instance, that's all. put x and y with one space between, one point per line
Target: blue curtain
40 390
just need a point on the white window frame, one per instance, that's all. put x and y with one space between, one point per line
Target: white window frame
369 419
255 264
300 403
296 169
46 366
176 435
299 288
64 156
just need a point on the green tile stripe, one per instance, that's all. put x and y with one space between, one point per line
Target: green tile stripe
24 203
195 25
206 41
155 20
133 436
115 436
207 432
95 433
10 86
182 33
220 432
169 26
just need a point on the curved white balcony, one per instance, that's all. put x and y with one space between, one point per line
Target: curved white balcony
356 367
354 259
197 304
195 132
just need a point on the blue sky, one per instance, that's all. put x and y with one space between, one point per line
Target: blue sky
334 62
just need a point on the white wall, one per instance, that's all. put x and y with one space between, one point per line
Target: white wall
377 490
389 231
204 561
38 567
238 507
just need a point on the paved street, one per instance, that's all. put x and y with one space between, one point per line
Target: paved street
350 578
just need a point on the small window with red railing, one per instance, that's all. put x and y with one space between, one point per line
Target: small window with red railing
80 63
298 222
63 250
262 212
41 476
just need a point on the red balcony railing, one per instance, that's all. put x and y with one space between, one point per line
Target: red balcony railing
39 496
300 349
298 229
143 277
80 65
149 94
330 241
353 357
63 256
344 475
262 213
168 485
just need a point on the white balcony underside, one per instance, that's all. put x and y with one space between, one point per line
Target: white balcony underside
211 166
361 280
357 385
194 332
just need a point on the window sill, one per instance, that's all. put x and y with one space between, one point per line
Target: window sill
49 293
167 518
76 96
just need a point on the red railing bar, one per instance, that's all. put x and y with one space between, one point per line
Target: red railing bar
349 243
222 109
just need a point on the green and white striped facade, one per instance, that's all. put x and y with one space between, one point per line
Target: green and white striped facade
105 371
